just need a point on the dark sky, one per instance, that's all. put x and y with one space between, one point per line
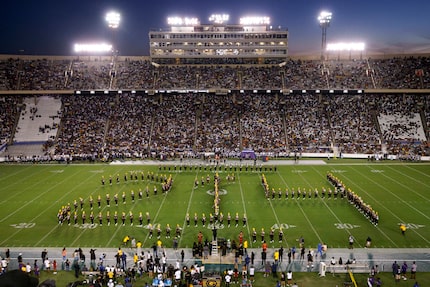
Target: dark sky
51 27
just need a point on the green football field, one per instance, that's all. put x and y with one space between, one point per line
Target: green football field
32 195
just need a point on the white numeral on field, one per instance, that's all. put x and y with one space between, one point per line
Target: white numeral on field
24 225
282 225
345 225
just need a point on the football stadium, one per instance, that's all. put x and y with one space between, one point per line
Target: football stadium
217 160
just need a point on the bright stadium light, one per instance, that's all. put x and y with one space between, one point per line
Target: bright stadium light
182 21
113 19
324 19
92 48
254 20
219 18
342 46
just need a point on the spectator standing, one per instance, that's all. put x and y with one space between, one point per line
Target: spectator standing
413 270
351 242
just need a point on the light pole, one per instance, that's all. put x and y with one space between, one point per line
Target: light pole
324 19
113 18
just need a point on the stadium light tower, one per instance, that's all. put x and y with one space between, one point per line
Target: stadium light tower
113 19
324 19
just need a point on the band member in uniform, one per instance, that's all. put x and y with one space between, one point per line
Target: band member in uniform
272 235
187 219
115 218
148 217
254 235
100 218
123 218
131 217
108 217
140 218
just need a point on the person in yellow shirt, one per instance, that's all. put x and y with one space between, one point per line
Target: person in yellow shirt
276 256
139 247
245 246
126 240
135 259
403 228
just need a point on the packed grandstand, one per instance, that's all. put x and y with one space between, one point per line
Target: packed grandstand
106 108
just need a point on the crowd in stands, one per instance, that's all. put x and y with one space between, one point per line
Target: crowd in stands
83 125
193 124
76 74
138 125
8 113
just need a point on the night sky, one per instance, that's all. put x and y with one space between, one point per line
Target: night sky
51 27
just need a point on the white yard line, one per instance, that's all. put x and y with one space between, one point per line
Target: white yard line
301 209
11 184
244 207
382 187
425 198
383 233
40 214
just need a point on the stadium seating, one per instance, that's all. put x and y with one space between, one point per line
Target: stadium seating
141 125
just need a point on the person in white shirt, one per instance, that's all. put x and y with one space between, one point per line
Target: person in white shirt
178 275
227 279
289 277
47 264
251 273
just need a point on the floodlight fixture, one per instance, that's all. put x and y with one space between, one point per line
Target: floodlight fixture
346 46
324 20
92 47
113 19
255 20
182 21
219 18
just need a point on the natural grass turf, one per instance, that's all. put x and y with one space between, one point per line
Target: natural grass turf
32 194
